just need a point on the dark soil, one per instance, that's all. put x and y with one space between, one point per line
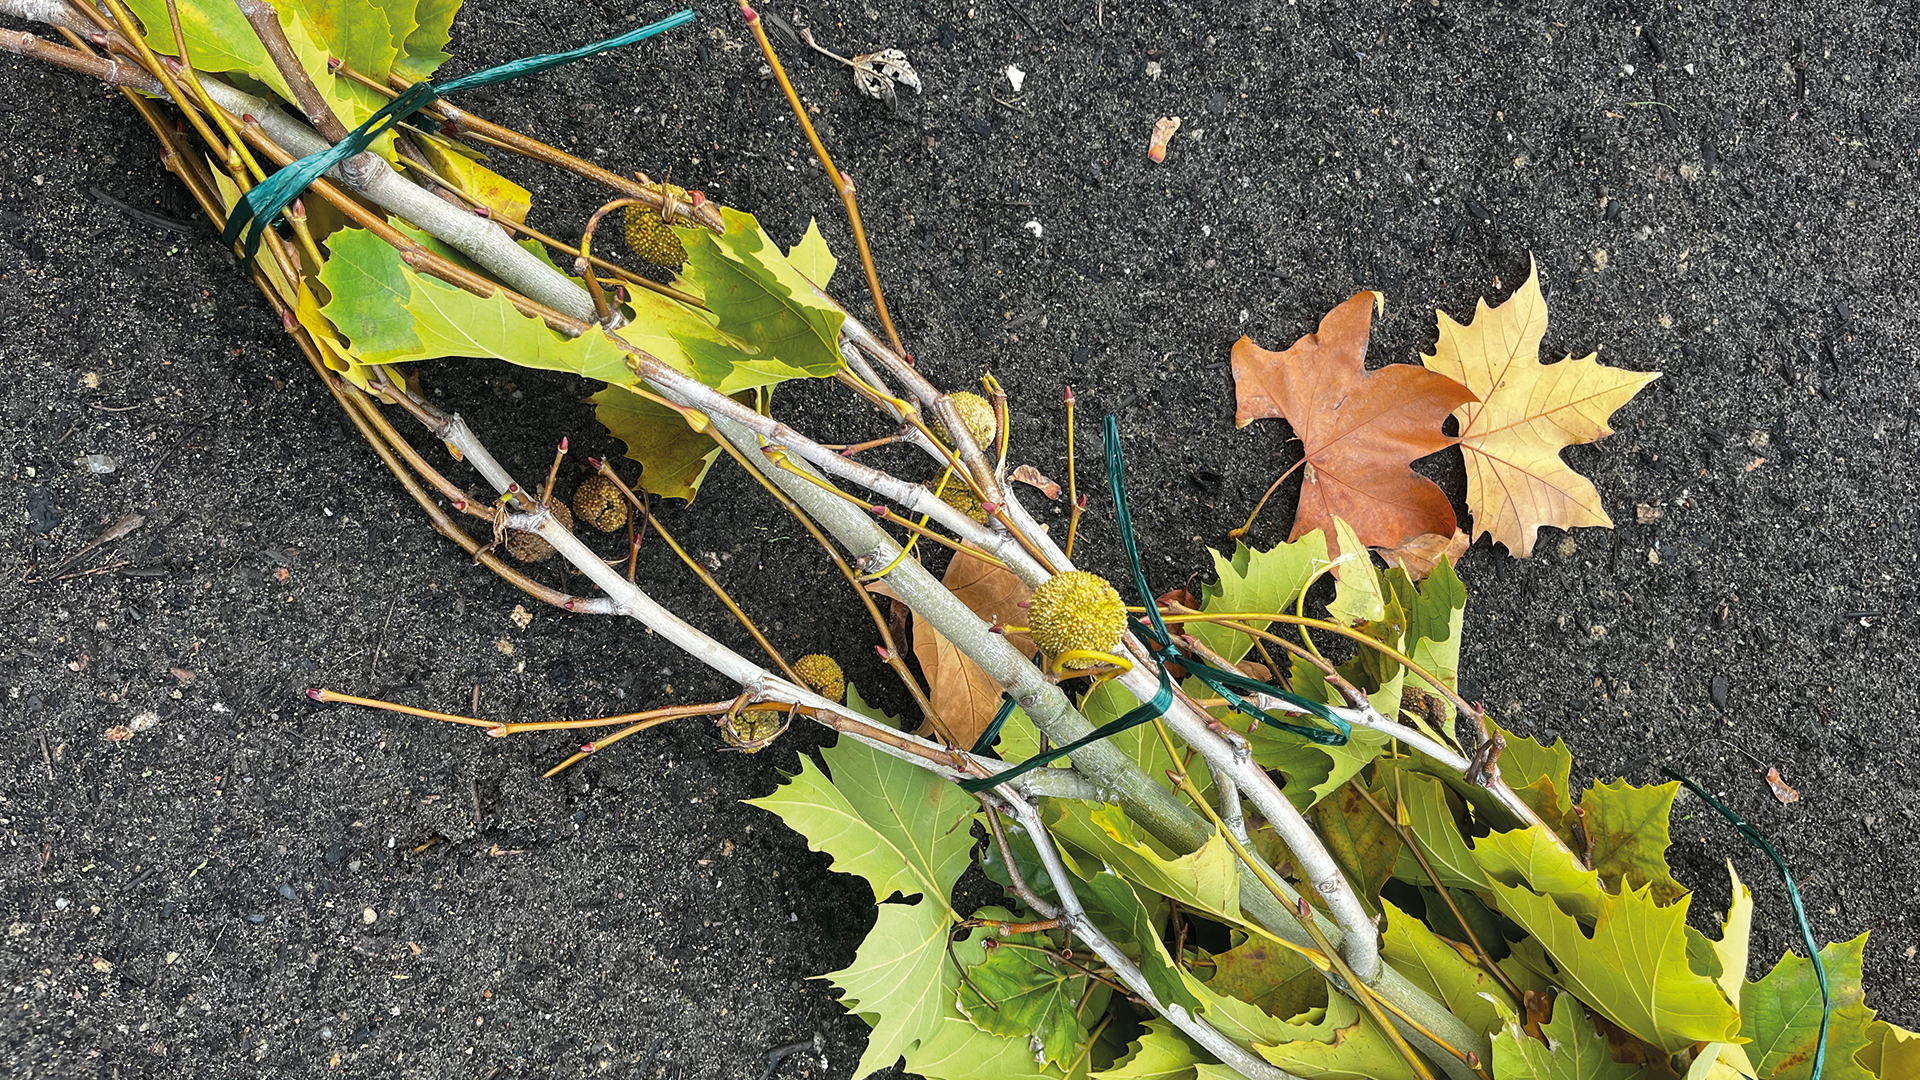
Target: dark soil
263 886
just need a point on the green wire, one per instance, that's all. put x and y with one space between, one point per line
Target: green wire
260 206
1799 911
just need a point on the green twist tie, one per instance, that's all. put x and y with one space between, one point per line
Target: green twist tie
1753 837
262 205
1152 632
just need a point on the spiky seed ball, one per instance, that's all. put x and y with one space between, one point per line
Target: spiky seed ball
528 547
751 730
977 414
599 503
1073 611
958 497
652 240
822 675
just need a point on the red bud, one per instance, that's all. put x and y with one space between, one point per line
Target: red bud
747 12
315 693
1067 396
563 444
884 655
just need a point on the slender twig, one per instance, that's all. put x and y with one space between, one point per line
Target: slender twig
842 185
1406 839
1366 997
1235 1056
713 585
266 26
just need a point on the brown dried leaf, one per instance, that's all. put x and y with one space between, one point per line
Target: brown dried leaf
1781 790
1421 554
1360 430
118 733
964 696
1031 476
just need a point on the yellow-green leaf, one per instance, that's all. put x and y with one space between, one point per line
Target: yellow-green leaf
1358 597
1207 879
1574 1050
1443 970
673 457
499 194
1160 1053
1634 967
1529 857
811 257
1337 1043
1628 828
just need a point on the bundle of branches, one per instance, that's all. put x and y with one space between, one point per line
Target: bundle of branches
1388 884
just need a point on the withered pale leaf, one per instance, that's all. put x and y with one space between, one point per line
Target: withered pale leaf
1360 430
1522 414
1032 477
1421 554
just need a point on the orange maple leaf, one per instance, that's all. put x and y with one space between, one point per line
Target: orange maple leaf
1360 430
1522 414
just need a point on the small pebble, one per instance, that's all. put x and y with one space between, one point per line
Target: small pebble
1016 77
101 464
369 916
1717 691
286 891
256 919
61 903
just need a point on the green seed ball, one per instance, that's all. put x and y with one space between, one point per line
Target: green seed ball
958 497
1076 611
821 674
977 414
751 730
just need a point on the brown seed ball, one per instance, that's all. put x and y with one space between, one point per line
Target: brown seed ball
528 547
977 413
1076 611
821 673
599 502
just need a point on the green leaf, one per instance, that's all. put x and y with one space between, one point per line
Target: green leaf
779 328
1359 839
1118 910
218 36
1162 1053
365 36
811 256
368 284
903 830
1780 1016
1207 879
1022 993
1442 970
673 457
1358 597
1529 857
1435 610
1721 1061
1430 817
1634 967
1254 581
1627 827
1574 1050
1341 1044
425 47
956 1050
1272 977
